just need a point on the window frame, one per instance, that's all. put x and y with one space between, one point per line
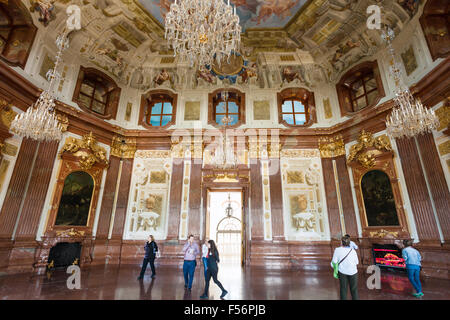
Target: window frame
148 101
113 92
305 97
237 97
292 100
150 114
226 111
344 90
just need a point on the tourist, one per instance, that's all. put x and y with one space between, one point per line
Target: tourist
213 269
150 254
352 244
205 255
413 266
190 251
347 260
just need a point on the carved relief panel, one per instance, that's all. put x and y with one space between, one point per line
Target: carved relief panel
149 195
303 195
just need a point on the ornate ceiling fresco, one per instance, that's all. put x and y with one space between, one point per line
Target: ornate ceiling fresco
252 13
306 41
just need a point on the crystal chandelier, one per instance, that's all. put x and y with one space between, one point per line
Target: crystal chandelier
201 31
409 117
40 122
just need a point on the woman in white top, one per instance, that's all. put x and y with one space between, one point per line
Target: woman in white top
204 255
347 259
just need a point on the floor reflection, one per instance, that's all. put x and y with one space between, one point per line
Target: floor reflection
250 283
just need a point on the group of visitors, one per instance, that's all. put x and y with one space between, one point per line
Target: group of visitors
344 261
210 258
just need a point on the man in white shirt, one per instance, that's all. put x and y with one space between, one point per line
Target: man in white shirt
352 244
347 259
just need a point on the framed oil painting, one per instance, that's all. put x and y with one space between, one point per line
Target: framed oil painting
75 202
379 199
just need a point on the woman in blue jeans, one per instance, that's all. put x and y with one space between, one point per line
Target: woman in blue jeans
412 259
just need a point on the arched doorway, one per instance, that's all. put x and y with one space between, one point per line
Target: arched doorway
229 239
224 225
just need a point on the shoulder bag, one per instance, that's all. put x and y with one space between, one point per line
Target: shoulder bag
336 265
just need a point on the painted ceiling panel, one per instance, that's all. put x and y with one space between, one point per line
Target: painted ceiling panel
252 13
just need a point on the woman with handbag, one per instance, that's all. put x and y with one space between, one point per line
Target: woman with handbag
151 248
344 263
213 269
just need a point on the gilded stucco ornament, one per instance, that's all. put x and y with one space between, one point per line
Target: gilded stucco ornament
86 150
359 152
383 234
70 233
331 147
123 147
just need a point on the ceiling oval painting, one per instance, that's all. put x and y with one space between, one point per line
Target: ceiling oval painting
253 14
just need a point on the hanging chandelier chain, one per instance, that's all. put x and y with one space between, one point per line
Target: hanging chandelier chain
40 122
408 117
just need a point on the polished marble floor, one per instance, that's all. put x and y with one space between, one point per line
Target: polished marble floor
120 283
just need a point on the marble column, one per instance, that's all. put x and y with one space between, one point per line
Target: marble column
37 191
345 191
256 200
332 200
195 198
16 188
417 190
436 180
176 189
276 201
13 199
109 193
122 199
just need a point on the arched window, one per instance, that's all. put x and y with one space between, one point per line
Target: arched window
379 201
296 107
17 33
158 109
226 112
161 112
360 88
227 108
75 202
97 93
294 112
